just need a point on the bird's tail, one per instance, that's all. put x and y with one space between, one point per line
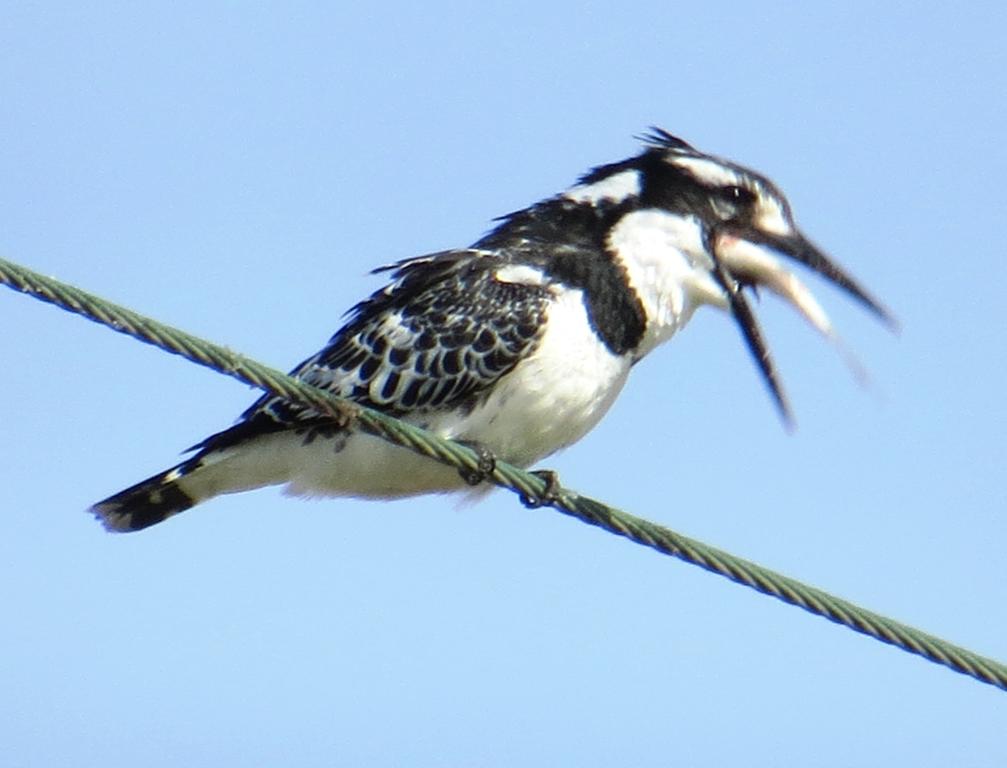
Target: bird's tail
147 503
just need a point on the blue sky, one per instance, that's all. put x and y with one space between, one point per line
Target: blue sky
236 170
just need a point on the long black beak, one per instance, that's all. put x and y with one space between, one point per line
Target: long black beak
801 249
742 259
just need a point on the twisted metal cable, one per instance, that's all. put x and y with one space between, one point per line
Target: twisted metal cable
587 510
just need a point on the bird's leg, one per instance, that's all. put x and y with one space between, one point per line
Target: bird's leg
549 495
485 466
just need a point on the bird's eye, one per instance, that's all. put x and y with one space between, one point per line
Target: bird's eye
737 195
730 201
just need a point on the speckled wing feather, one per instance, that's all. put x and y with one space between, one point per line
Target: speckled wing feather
440 334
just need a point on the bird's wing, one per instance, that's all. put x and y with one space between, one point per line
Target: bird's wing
440 334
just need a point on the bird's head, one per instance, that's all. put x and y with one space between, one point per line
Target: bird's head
733 227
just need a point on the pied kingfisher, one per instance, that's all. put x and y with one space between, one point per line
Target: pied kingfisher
519 344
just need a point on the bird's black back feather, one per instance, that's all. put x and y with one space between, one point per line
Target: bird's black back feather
438 336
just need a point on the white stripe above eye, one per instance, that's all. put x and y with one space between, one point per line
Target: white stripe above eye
707 172
615 188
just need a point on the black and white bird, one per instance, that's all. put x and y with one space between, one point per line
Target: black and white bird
519 344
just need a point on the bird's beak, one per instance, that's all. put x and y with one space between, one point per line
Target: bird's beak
799 248
751 257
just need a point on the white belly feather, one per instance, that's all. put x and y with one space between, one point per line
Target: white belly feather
552 398
548 401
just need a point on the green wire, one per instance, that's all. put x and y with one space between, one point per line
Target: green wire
507 476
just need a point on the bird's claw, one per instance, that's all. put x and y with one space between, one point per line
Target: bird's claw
485 466
548 495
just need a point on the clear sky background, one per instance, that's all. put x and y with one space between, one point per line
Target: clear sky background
236 170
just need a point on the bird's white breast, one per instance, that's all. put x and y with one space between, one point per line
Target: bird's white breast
553 397
549 400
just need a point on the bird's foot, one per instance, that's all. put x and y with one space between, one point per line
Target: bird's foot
485 466
549 495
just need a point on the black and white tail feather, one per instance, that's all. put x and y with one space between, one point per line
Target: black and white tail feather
521 343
